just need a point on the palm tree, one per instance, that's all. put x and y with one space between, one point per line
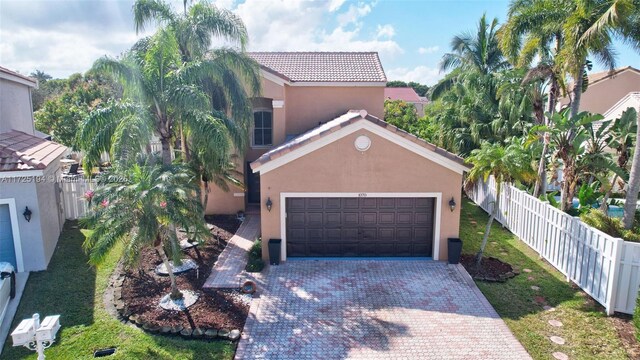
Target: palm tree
634 182
477 52
506 164
139 207
621 136
534 30
567 136
162 92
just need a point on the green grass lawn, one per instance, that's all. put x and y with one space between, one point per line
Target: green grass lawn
588 333
75 290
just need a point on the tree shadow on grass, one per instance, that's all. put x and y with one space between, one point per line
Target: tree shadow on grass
67 287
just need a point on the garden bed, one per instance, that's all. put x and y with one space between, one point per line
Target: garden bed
491 269
142 288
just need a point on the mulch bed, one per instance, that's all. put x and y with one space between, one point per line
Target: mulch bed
216 309
491 269
627 333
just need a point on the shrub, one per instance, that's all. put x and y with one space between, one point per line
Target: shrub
611 226
255 262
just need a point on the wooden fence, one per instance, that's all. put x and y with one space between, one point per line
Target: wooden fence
605 267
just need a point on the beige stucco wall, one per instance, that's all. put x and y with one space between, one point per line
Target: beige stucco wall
307 106
50 210
224 202
339 167
602 95
16 111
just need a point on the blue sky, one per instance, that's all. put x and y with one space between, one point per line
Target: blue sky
61 37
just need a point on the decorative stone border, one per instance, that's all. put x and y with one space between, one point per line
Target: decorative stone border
502 278
127 316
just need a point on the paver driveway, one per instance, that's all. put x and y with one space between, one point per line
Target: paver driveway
374 309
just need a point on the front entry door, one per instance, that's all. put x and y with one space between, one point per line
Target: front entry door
253 186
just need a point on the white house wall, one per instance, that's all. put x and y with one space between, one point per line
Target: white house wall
15 107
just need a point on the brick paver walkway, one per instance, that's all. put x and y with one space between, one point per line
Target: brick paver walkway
228 271
366 309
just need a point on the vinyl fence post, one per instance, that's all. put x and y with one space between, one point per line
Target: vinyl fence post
616 265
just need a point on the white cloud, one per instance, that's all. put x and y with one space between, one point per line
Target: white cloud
428 50
298 25
335 4
386 31
421 74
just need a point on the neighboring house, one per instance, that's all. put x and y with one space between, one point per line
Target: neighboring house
606 89
29 173
330 177
408 95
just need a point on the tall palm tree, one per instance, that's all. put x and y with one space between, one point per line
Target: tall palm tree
534 31
162 91
138 207
472 52
633 188
506 164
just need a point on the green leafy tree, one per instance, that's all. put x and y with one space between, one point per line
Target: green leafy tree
139 206
420 89
401 114
506 164
62 115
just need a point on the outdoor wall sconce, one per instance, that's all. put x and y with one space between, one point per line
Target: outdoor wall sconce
269 204
452 204
27 213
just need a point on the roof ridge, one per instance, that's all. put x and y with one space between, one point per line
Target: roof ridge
312 52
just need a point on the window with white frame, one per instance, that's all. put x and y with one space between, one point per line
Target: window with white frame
262 128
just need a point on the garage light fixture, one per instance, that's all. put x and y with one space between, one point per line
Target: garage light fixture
269 204
452 204
27 213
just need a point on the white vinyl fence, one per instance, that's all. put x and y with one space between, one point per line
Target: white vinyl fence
605 267
73 191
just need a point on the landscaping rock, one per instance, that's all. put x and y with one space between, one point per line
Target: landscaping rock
234 335
134 318
557 339
150 328
197 333
223 333
549 308
560 356
165 330
186 333
535 288
211 333
176 329
527 270
531 278
555 323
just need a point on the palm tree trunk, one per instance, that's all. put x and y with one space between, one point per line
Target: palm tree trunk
487 228
568 184
205 200
541 181
166 151
605 201
577 92
175 292
634 184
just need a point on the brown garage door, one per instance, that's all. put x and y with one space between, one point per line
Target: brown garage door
360 226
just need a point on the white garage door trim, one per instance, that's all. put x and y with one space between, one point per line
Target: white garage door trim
285 195
17 244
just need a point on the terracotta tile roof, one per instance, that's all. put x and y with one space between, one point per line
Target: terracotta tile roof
21 151
401 93
345 120
323 66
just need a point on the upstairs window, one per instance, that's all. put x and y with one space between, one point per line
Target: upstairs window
262 128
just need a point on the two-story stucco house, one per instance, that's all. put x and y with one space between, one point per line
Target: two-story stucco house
31 213
329 176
